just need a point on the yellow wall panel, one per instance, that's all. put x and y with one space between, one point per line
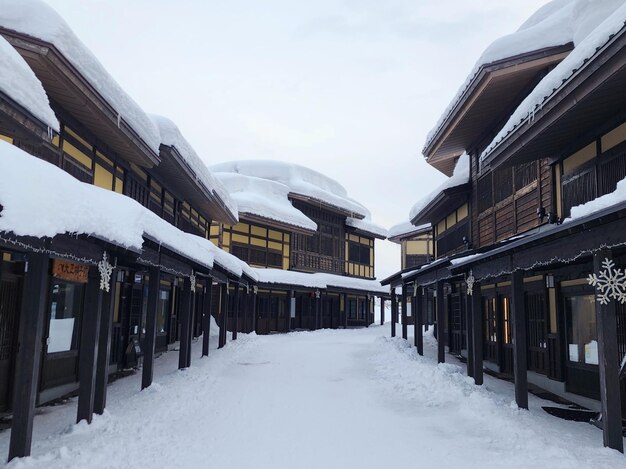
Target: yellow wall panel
257 242
614 137
6 138
237 238
275 245
119 185
102 177
580 157
241 227
258 231
286 263
462 212
226 237
77 154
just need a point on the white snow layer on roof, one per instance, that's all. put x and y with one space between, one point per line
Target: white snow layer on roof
557 23
171 136
368 226
57 203
19 82
600 203
264 198
459 176
601 20
35 18
300 180
318 280
405 228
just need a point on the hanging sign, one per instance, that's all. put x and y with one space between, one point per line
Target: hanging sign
70 271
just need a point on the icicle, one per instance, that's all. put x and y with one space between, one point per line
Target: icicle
50 134
119 120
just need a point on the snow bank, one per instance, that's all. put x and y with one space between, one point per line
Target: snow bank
264 198
318 280
556 23
405 228
367 225
459 176
35 18
600 203
19 82
300 180
597 22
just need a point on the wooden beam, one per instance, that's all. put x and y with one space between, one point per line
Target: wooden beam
382 311
88 353
254 309
418 318
154 284
477 333
520 348
185 320
404 312
468 335
318 309
236 312
394 312
441 325
104 348
608 355
206 315
28 359
223 315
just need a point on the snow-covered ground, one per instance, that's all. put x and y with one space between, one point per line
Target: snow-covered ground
326 399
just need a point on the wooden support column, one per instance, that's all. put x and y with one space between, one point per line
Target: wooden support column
318 308
477 332
345 311
206 316
104 348
154 284
394 311
88 352
382 311
28 359
254 308
418 320
520 348
236 313
468 335
223 315
185 323
441 325
609 364
405 331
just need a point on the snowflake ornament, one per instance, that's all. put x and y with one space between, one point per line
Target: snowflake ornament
610 283
470 283
105 269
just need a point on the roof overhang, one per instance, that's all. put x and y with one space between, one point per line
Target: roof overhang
325 205
441 206
494 91
594 96
66 87
17 121
419 230
366 233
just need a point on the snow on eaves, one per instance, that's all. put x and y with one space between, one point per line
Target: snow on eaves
171 136
300 180
36 19
557 23
264 198
593 206
406 228
318 280
368 226
611 21
19 82
459 176
56 203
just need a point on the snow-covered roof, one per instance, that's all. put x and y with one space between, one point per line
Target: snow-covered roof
368 226
459 177
300 181
264 198
318 280
593 24
58 204
171 136
36 19
406 228
557 23
600 203
19 82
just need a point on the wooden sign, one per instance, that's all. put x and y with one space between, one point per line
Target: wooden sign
70 271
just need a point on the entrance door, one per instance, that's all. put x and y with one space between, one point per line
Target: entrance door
10 288
537 332
490 350
456 324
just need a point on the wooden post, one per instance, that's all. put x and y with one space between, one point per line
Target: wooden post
206 316
185 320
394 311
28 359
441 324
608 361
418 318
254 308
318 308
382 311
404 313
88 353
154 284
345 311
477 332
468 335
223 314
520 365
236 312
104 348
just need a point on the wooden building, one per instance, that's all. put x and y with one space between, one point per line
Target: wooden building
527 281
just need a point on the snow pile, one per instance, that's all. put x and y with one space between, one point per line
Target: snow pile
35 18
459 177
600 203
264 198
598 22
19 82
300 181
318 280
368 226
406 228
556 23
172 137
57 203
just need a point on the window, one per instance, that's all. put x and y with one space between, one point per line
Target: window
582 339
502 183
65 308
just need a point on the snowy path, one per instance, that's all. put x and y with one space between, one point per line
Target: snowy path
328 399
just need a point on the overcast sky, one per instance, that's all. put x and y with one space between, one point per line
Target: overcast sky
349 88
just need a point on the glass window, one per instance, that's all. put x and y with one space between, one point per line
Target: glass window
582 339
65 307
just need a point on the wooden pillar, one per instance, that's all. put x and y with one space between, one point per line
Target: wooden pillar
418 320
254 308
441 325
206 316
468 335
394 311
223 315
185 323
236 312
104 348
154 284
477 332
608 361
318 308
520 348
28 357
382 311
345 311
405 331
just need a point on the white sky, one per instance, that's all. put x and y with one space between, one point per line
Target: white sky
349 88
